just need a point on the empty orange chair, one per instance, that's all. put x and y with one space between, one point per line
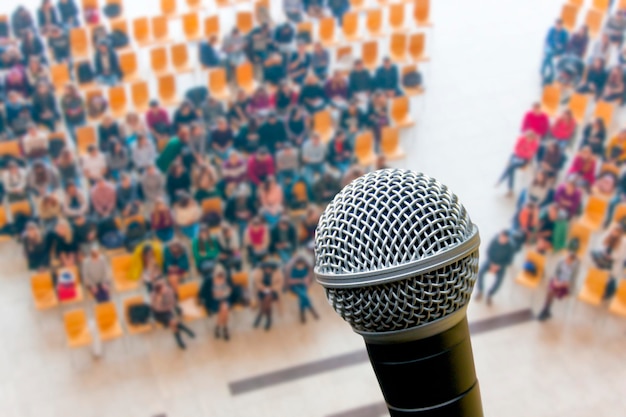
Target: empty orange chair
578 3
400 112
350 27
42 288
551 99
222 3
374 22
130 327
85 136
168 8
323 125
158 61
245 22
619 213
93 4
369 54
79 43
327 31
60 76
211 26
188 301
129 66
527 279
300 195
160 29
581 233
594 214
390 143
364 148
593 20
77 328
140 94
218 84
618 303
120 271
396 16
141 31
592 290
195 5
343 57
245 77
191 26
411 91
107 322
167 90
417 47
212 205
398 47
10 147
604 111
578 104
180 58
602 5
117 100
421 12
569 15
357 5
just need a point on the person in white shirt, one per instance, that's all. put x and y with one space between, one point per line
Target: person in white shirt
14 181
35 142
94 163
187 214
143 152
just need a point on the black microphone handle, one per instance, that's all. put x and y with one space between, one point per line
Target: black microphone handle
430 377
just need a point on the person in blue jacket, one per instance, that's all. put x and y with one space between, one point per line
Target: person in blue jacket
556 43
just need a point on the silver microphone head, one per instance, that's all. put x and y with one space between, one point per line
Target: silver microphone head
398 256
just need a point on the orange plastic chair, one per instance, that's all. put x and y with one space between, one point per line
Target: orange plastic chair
398 47
107 322
42 288
369 54
528 280
594 214
60 76
195 5
85 136
396 16
421 12
411 91
245 22
167 90
222 3
374 23
160 29
604 111
602 5
79 43
77 331
120 24
350 27
94 4
327 31
578 104
120 270
158 61
191 26
168 8
569 15
357 5
417 47
594 20
218 84
305 27
117 101
180 58
141 31
592 290
323 125
583 234
300 192
620 5
140 96
364 148
89 95
400 112
11 147
129 66
343 58
245 77
551 99
211 26
212 205
188 301
130 327
240 279
390 143
578 3
618 303
22 207
619 213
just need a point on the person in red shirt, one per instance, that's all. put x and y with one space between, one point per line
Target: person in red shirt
525 149
536 120
564 128
584 165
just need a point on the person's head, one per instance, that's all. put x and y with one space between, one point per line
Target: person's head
183 133
154 105
583 31
177 168
32 129
301 47
256 221
262 153
540 177
219 274
28 35
537 107
125 180
503 237
267 267
204 232
150 170
272 118
358 65
34 63
598 124
387 62
586 153
553 211
176 248
558 24
221 123
531 135
317 48
570 183
567 114
13 167
598 63
270 182
31 231
94 251
42 88
39 168
241 96
103 46
605 39
316 139
159 286
284 222
300 262
233 157
310 79
340 136
183 199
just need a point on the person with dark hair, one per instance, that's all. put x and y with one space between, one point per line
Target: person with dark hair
614 86
173 149
260 166
299 64
187 214
525 149
117 159
352 117
229 244
63 244
73 107
75 203
298 279
14 182
36 247
272 134
45 110
594 136
284 99
47 16
536 120
297 126
162 221
96 275
578 42
499 256
21 21
568 197
560 283
69 12
158 120
564 128
184 115
387 78
320 61
259 103
164 310
336 90
594 79
312 95
584 165
359 81
555 45
209 55
217 294
103 198
293 10
340 153
268 281
108 131
256 239
222 139
178 179
175 262
205 249
283 239
42 178
128 195
106 63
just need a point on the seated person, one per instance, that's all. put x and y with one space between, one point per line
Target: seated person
594 79
313 158
320 61
260 43
352 118
178 179
525 149
234 169
158 120
210 56
106 63
45 110
152 185
297 126
360 82
594 136
187 214
272 134
205 249
299 64
548 218
287 162
96 275
284 239
222 139
274 69
75 203
128 195
560 283
298 278
540 190
387 78
64 245
103 198
164 310
257 240
212 109
117 159
551 158
568 198
325 187
614 87
42 179
143 153
108 131
564 128
260 166
162 221
312 95
229 246
175 261
284 98
217 294
205 182
610 254
584 165
271 200
14 182
184 115
93 163
616 148
36 248
260 102
536 120
340 152
50 210
238 109
336 90
605 185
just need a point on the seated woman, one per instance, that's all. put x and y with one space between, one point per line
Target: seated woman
336 90
274 69
240 208
50 210
564 128
36 73
297 126
616 148
42 179
584 165
161 221
594 136
260 102
312 95
320 61
578 42
205 249
222 139
387 78
283 99
309 225
611 252
45 109
614 87
268 282
548 218
107 67
299 63
238 109
132 127
352 117
117 159
217 294
594 79
14 181
540 190
568 197
96 275
143 153
234 168
525 149
184 115
151 266
205 182
284 239
165 312
257 240
36 248
64 247
271 200
178 179
229 252
75 202
605 185
298 279
175 262
158 120
35 143
526 224
560 283
187 214
128 196
551 158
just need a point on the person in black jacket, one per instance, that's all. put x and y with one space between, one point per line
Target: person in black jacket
21 20
312 95
47 16
108 132
359 81
36 247
340 152
217 294
283 239
107 65
44 106
59 43
272 134
387 78
32 46
68 12
499 256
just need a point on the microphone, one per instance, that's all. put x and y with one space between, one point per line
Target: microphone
397 255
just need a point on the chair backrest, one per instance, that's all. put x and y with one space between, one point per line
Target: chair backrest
85 136
620 293
374 21
619 213
140 94
240 278
128 63
75 321
22 207
41 283
191 25
160 28
389 139
305 27
578 3
3 217
602 5
300 192
212 205
596 207
167 87
596 280
398 44
141 29
91 93
180 57
604 110
343 53
417 45
578 106
188 290
120 25
168 7
217 80
350 25
90 4
245 22
569 15
327 29
194 4
10 147
211 26
551 97
396 15
245 74
60 74
356 4
117 98
364 143
322 122
79 41
105 315
158 59
421 11
580 232
537 259
369 53
121 265
593 20
399 108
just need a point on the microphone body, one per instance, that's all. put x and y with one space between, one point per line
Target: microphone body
398 257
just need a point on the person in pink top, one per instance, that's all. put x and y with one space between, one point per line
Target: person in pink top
525 149
584 165
536 120
563 128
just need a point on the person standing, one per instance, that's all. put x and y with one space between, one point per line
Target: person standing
499 256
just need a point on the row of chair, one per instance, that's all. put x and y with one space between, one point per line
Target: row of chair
578 104
593 19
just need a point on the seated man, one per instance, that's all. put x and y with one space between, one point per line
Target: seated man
103 198
387 78
360 81
560 283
